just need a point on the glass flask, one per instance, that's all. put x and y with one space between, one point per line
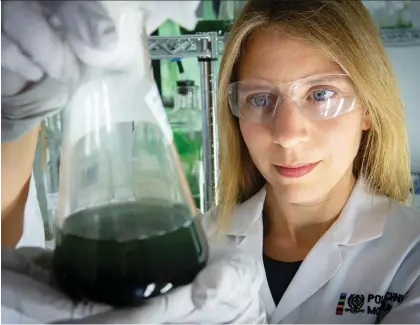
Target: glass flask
186 124
127 226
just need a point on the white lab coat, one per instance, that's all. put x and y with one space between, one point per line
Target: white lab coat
370 257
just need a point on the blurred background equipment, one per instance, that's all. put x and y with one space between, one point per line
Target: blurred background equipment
194 57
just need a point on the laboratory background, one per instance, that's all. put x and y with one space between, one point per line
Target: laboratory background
185 66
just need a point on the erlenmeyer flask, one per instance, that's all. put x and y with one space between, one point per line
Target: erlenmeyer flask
127 224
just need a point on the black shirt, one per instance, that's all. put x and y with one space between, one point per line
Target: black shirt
279 275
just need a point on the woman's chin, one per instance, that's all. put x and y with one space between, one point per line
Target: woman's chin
299 192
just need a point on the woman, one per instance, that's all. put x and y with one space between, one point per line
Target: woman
314 165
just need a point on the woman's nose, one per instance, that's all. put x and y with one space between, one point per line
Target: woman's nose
290 127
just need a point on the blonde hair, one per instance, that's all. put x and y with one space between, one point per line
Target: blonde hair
344 31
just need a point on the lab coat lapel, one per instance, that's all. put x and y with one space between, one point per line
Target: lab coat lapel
253 244
316 270
247 229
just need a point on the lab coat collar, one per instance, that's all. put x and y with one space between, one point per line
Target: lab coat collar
363 217
246 214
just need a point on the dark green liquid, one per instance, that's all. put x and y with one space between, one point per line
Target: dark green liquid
124 272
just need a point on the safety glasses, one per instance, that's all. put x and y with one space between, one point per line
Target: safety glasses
317 97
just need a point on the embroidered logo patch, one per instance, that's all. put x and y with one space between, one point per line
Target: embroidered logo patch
356 303
367 303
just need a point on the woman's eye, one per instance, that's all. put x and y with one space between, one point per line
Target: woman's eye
262 100
322 94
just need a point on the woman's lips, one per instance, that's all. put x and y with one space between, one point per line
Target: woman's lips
295 170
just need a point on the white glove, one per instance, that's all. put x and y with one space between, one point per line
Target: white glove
225 291
42 42
37 60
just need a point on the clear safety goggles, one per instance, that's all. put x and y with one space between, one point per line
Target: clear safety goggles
317 97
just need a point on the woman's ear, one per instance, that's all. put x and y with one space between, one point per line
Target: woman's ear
366 121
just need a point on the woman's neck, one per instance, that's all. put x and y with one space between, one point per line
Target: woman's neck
292 230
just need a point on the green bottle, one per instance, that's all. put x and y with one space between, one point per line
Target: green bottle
186 122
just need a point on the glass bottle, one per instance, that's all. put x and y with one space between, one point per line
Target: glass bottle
186 124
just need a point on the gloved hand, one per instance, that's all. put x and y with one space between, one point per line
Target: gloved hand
43 42
225 291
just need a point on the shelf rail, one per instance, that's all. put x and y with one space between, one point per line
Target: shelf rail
207 48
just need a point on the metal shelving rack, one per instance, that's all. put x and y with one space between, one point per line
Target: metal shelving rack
206 48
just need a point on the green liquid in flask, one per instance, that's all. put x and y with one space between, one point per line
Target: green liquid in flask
119 255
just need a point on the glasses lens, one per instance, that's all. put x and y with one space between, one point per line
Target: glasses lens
253 100
317 97
325 97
